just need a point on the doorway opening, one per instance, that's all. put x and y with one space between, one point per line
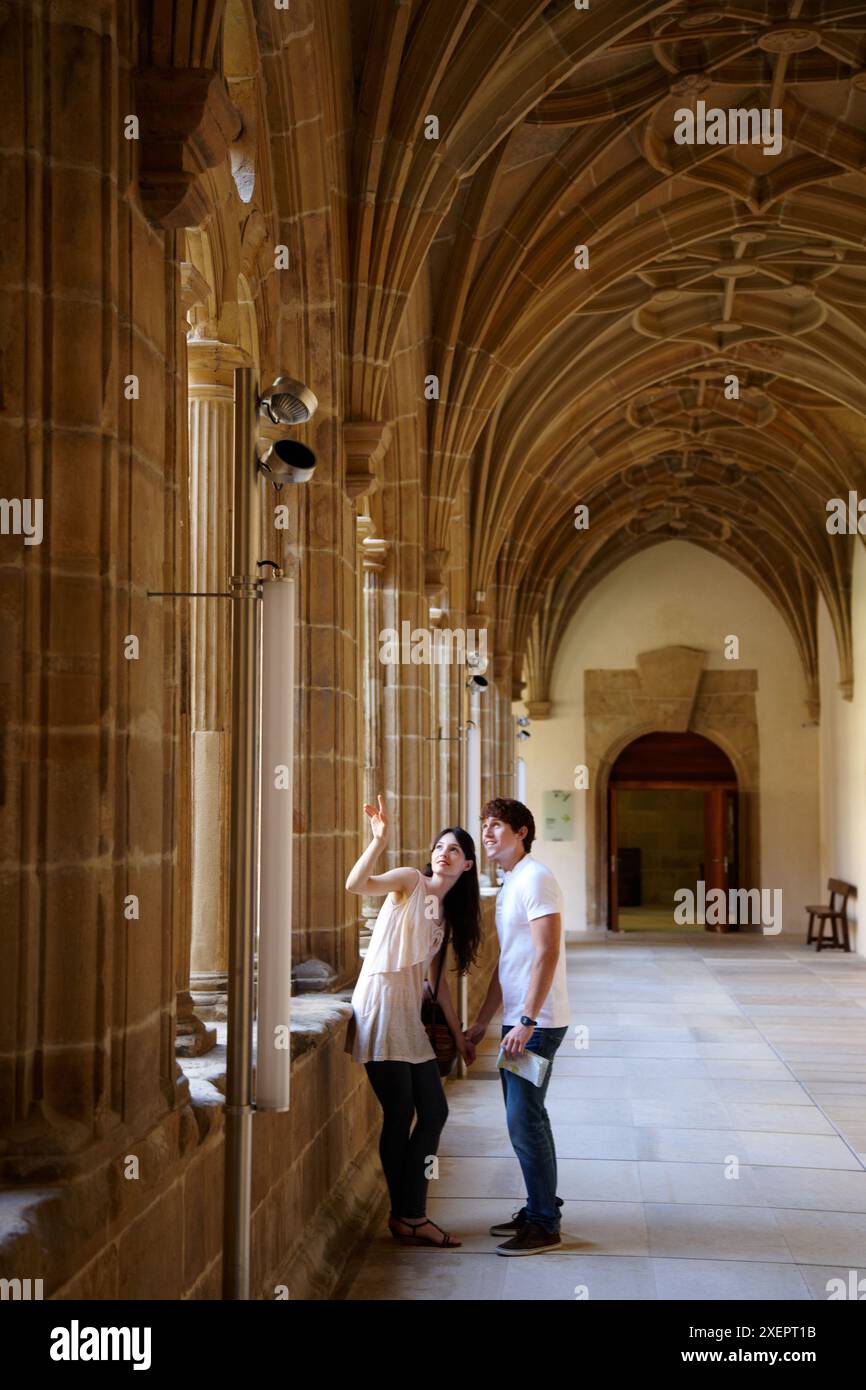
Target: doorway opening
673 823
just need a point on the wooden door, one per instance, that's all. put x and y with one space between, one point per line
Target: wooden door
613 888
716 845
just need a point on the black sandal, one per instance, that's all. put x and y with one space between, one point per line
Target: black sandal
446 1244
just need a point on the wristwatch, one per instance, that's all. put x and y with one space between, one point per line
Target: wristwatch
528 1022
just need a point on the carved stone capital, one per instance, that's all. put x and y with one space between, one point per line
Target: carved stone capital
366 443
375 551
187 124
212 364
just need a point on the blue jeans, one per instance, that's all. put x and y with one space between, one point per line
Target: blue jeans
530 1133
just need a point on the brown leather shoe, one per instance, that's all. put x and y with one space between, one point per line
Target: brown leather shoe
530 1240
510 1228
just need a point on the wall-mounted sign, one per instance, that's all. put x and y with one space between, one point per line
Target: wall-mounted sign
557 811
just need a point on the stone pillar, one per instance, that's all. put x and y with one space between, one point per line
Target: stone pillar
211 418
374 552
88 662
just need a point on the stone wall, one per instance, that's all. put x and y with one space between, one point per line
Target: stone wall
667 826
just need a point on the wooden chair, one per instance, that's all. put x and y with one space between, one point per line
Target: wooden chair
837 916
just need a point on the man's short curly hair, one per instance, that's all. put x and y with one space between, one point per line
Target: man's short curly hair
513 813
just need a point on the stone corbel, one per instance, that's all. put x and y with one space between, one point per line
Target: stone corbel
366 443
518 684
434 571
194 298
502 664
538 709
187 124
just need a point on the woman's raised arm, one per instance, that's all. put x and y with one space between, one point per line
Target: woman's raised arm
371 885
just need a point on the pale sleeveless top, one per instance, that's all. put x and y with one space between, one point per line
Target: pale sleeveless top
386 1024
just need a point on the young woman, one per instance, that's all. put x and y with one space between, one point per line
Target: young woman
422 913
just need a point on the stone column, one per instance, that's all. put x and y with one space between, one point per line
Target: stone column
89 664
374 552
211 419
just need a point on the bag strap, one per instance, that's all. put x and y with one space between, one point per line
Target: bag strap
442 954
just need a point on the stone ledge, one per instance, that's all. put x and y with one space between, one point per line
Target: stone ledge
315 1017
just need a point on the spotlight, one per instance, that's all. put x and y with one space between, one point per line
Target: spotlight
284 460
288 402
524 733
522 721
478 683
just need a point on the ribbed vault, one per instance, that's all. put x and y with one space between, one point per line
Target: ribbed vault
610 385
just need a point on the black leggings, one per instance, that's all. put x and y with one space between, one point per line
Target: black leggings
408 1090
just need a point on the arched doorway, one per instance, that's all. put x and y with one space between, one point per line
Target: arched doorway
673 823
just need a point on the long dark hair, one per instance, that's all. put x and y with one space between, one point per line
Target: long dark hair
461 905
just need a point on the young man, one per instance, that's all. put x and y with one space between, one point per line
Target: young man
530 984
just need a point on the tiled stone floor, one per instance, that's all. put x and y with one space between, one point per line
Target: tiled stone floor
702 1049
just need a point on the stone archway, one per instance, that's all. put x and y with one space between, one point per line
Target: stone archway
668 690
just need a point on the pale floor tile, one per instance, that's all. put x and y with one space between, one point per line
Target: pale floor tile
824 1237
815 1188
764 1092
732 1280
722 1089
676 1114
795 1150
578 1278
705 1184
689 1145
796 1119
430 1274
714 1232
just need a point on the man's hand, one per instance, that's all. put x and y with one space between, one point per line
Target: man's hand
465 1048
515 1042
475 1033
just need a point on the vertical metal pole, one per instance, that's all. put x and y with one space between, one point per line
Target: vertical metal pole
242 860
462 800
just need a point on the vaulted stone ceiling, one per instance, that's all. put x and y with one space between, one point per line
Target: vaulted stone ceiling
606 385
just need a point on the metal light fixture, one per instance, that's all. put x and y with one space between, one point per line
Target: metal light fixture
288 402
524 733
477 683
285 461
523 721
279 458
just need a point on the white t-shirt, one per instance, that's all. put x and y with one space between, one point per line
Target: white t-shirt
529 891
